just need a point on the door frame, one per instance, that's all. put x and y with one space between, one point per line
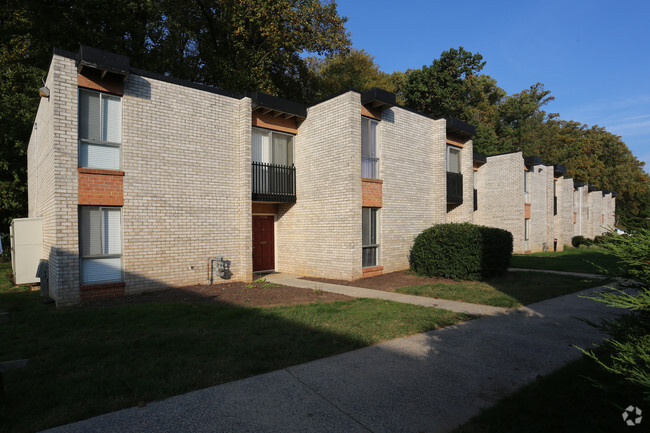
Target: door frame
253 244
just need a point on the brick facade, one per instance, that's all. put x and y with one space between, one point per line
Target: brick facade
101 187
185 186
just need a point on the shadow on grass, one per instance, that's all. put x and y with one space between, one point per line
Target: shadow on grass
89 361
593 260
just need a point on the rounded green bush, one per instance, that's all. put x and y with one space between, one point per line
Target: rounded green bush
461 251
578 241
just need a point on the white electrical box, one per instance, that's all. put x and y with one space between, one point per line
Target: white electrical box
26 248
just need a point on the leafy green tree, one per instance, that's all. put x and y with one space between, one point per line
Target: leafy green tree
355 69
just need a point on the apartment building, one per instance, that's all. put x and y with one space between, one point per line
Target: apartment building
144 182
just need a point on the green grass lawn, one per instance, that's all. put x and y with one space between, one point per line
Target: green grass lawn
88 361
511 290
586 260
566 401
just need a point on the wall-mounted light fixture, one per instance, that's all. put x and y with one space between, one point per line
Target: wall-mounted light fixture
539 170
44 92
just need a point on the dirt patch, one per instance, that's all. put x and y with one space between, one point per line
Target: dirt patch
236 293
386 282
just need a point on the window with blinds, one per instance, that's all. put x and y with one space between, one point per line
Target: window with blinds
272 147
370 236
369 148
100 130
100 244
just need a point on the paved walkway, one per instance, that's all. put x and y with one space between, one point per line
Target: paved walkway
428 382
359 292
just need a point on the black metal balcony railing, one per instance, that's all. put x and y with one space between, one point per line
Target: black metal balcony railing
274 182
554 205
454 188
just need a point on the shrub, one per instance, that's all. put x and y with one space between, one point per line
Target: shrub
627 351
461 251
578 241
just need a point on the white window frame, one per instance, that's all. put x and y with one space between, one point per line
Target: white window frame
376 246
93 142
370 159
451 148
270 133
83 258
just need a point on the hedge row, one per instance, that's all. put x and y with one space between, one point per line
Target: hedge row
461 251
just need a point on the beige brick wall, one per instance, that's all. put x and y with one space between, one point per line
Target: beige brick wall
187 197
501 196
541 207
414 191
464 213
563 221
581 206
40 172
598 227
320 235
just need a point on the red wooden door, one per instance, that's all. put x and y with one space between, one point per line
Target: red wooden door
263 243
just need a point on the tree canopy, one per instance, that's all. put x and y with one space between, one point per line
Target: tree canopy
298 49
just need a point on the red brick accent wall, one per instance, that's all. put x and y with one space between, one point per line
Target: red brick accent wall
372 272
90 292
93 80
371 192
101 187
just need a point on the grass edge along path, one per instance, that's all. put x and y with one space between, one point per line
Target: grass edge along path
510 291
572 399
85 362
583 260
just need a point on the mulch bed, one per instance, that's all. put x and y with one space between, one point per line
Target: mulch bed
235 293
386 282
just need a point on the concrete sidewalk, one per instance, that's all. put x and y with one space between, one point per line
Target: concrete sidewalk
428 382
359 292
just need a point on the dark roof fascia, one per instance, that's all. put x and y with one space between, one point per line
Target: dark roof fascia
578 184
614 194
592 188
606 191
102 60
276 103
185 83
479 157
559 170
458 127
378 98
530 161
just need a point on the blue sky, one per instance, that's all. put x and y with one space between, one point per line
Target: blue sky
594 56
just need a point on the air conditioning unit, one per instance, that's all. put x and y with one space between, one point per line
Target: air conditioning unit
26 249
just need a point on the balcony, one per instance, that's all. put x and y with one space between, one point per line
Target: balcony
273 182
454 188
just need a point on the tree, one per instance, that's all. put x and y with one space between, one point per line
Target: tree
354 69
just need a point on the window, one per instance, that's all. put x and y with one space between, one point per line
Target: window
453 159
100 244
370 237
272 147
526 233
527 186
100 130
369 148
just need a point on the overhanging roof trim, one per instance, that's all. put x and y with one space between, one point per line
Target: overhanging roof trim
378 99
102 60
592 188
532 160
578 184
479 157
606 191
278 104
559 169
458 127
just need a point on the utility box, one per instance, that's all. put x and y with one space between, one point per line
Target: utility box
26 248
